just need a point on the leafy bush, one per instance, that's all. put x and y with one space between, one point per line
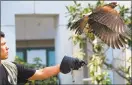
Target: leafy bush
37 65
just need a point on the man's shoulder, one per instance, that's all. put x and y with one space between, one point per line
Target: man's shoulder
12 71
11 64
19 66
7 63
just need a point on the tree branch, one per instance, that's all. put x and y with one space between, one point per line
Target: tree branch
118 72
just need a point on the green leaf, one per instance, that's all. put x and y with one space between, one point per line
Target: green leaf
97 59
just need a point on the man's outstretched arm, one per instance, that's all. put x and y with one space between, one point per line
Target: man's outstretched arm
45 73
65 67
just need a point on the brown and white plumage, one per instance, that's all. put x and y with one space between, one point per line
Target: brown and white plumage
105 23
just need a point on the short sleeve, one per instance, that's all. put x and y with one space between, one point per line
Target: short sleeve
24 73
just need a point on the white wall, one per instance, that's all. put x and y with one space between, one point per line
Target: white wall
10 40
35 26
8 11
62 45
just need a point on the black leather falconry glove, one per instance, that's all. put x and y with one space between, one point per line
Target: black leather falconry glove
69 63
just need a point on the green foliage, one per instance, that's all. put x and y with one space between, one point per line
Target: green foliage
96 62
77 39
90 35
49 81
127 70
37 65
97 48
79 54
123 10
127 18
99 3
98 75
125 13
19 60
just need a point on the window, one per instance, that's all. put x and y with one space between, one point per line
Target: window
21 53
47 55
51 58
33 53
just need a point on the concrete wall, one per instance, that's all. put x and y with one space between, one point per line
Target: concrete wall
11 8
35 26
63 46
10 40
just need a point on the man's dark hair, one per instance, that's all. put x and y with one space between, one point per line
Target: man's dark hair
2 34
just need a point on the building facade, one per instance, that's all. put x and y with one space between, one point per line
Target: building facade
38 29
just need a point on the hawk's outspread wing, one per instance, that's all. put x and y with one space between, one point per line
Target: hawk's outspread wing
106 23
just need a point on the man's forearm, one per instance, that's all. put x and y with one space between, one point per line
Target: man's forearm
66 65
50 71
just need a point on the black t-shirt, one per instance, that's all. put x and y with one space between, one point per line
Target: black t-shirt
23 74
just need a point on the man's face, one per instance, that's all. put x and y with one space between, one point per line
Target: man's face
4 49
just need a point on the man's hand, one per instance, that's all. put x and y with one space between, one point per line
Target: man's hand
69 63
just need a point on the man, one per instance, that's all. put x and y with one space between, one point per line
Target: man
13 73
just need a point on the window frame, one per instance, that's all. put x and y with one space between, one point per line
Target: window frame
24 50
